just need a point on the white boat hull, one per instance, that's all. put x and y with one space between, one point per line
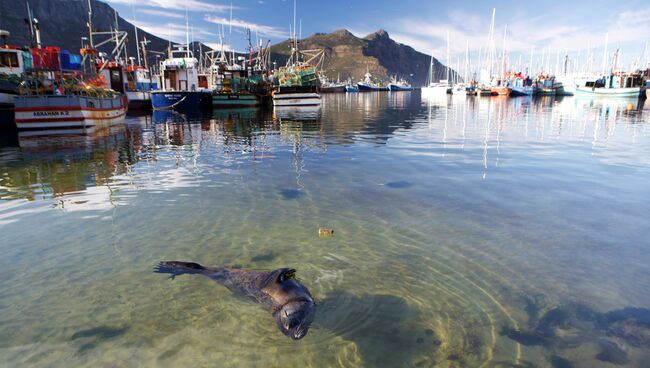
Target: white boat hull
296 99
43 112
608 92
442 90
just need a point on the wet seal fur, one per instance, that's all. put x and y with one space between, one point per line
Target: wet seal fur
289 302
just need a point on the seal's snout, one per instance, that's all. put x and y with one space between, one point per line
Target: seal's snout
295 318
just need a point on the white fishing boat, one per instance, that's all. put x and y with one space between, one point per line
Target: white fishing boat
614 85
12 65
298 82
69 111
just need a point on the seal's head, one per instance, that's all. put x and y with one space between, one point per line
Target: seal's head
296 307
295 317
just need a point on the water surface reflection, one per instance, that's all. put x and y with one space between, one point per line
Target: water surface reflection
468 232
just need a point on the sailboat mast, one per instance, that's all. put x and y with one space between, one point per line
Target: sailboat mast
503 54
187 34
602 72
448 57
530 62
135 29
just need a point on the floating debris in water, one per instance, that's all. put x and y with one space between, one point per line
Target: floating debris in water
323 231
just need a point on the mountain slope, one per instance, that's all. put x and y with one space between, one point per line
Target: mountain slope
348 56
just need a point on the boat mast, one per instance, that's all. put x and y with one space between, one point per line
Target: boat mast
530 62
135 28
187 34
503 55
448 57
90 25
602 72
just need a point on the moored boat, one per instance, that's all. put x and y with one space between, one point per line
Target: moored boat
614 85
69 111
13 62
399 85
296 96
180 84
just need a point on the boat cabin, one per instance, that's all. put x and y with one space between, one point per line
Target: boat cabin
180 72
617 81
11 61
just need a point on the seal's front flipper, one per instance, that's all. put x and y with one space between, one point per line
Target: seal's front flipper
176 268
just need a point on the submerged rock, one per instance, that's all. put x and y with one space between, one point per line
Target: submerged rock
612 352
528 338
559 362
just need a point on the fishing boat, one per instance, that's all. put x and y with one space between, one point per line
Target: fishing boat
66 102
298 83
351 88
180 83
368 85
399 85
614 85
138 86
333 88
237 81
13 62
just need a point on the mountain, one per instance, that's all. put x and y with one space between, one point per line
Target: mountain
348 56
63 23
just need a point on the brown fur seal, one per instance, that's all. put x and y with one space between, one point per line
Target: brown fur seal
289 301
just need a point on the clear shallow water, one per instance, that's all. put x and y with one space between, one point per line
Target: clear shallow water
468 232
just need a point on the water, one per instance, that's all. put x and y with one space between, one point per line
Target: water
468 232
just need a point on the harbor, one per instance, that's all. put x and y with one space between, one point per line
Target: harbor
353 200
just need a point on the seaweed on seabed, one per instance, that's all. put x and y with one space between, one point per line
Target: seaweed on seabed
612 352
560 362
96 335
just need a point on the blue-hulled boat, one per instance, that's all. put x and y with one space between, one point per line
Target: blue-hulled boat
351 88
399 85
180 84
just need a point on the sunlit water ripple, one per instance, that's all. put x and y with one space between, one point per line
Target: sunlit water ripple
463 228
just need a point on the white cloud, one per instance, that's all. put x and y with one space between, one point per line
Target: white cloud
162 13
190 5
628 29
238 23
175 32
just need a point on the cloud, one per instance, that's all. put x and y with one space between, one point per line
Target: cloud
190 5
175 31
259 28
162 13
627 28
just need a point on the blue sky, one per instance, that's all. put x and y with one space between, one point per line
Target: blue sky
551 25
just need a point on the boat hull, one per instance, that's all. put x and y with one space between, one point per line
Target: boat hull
180 100
397 87
46 112
522 91
228 100
442 90
368 88
333 89
139 100
501 91
296 99
351 89
609 92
